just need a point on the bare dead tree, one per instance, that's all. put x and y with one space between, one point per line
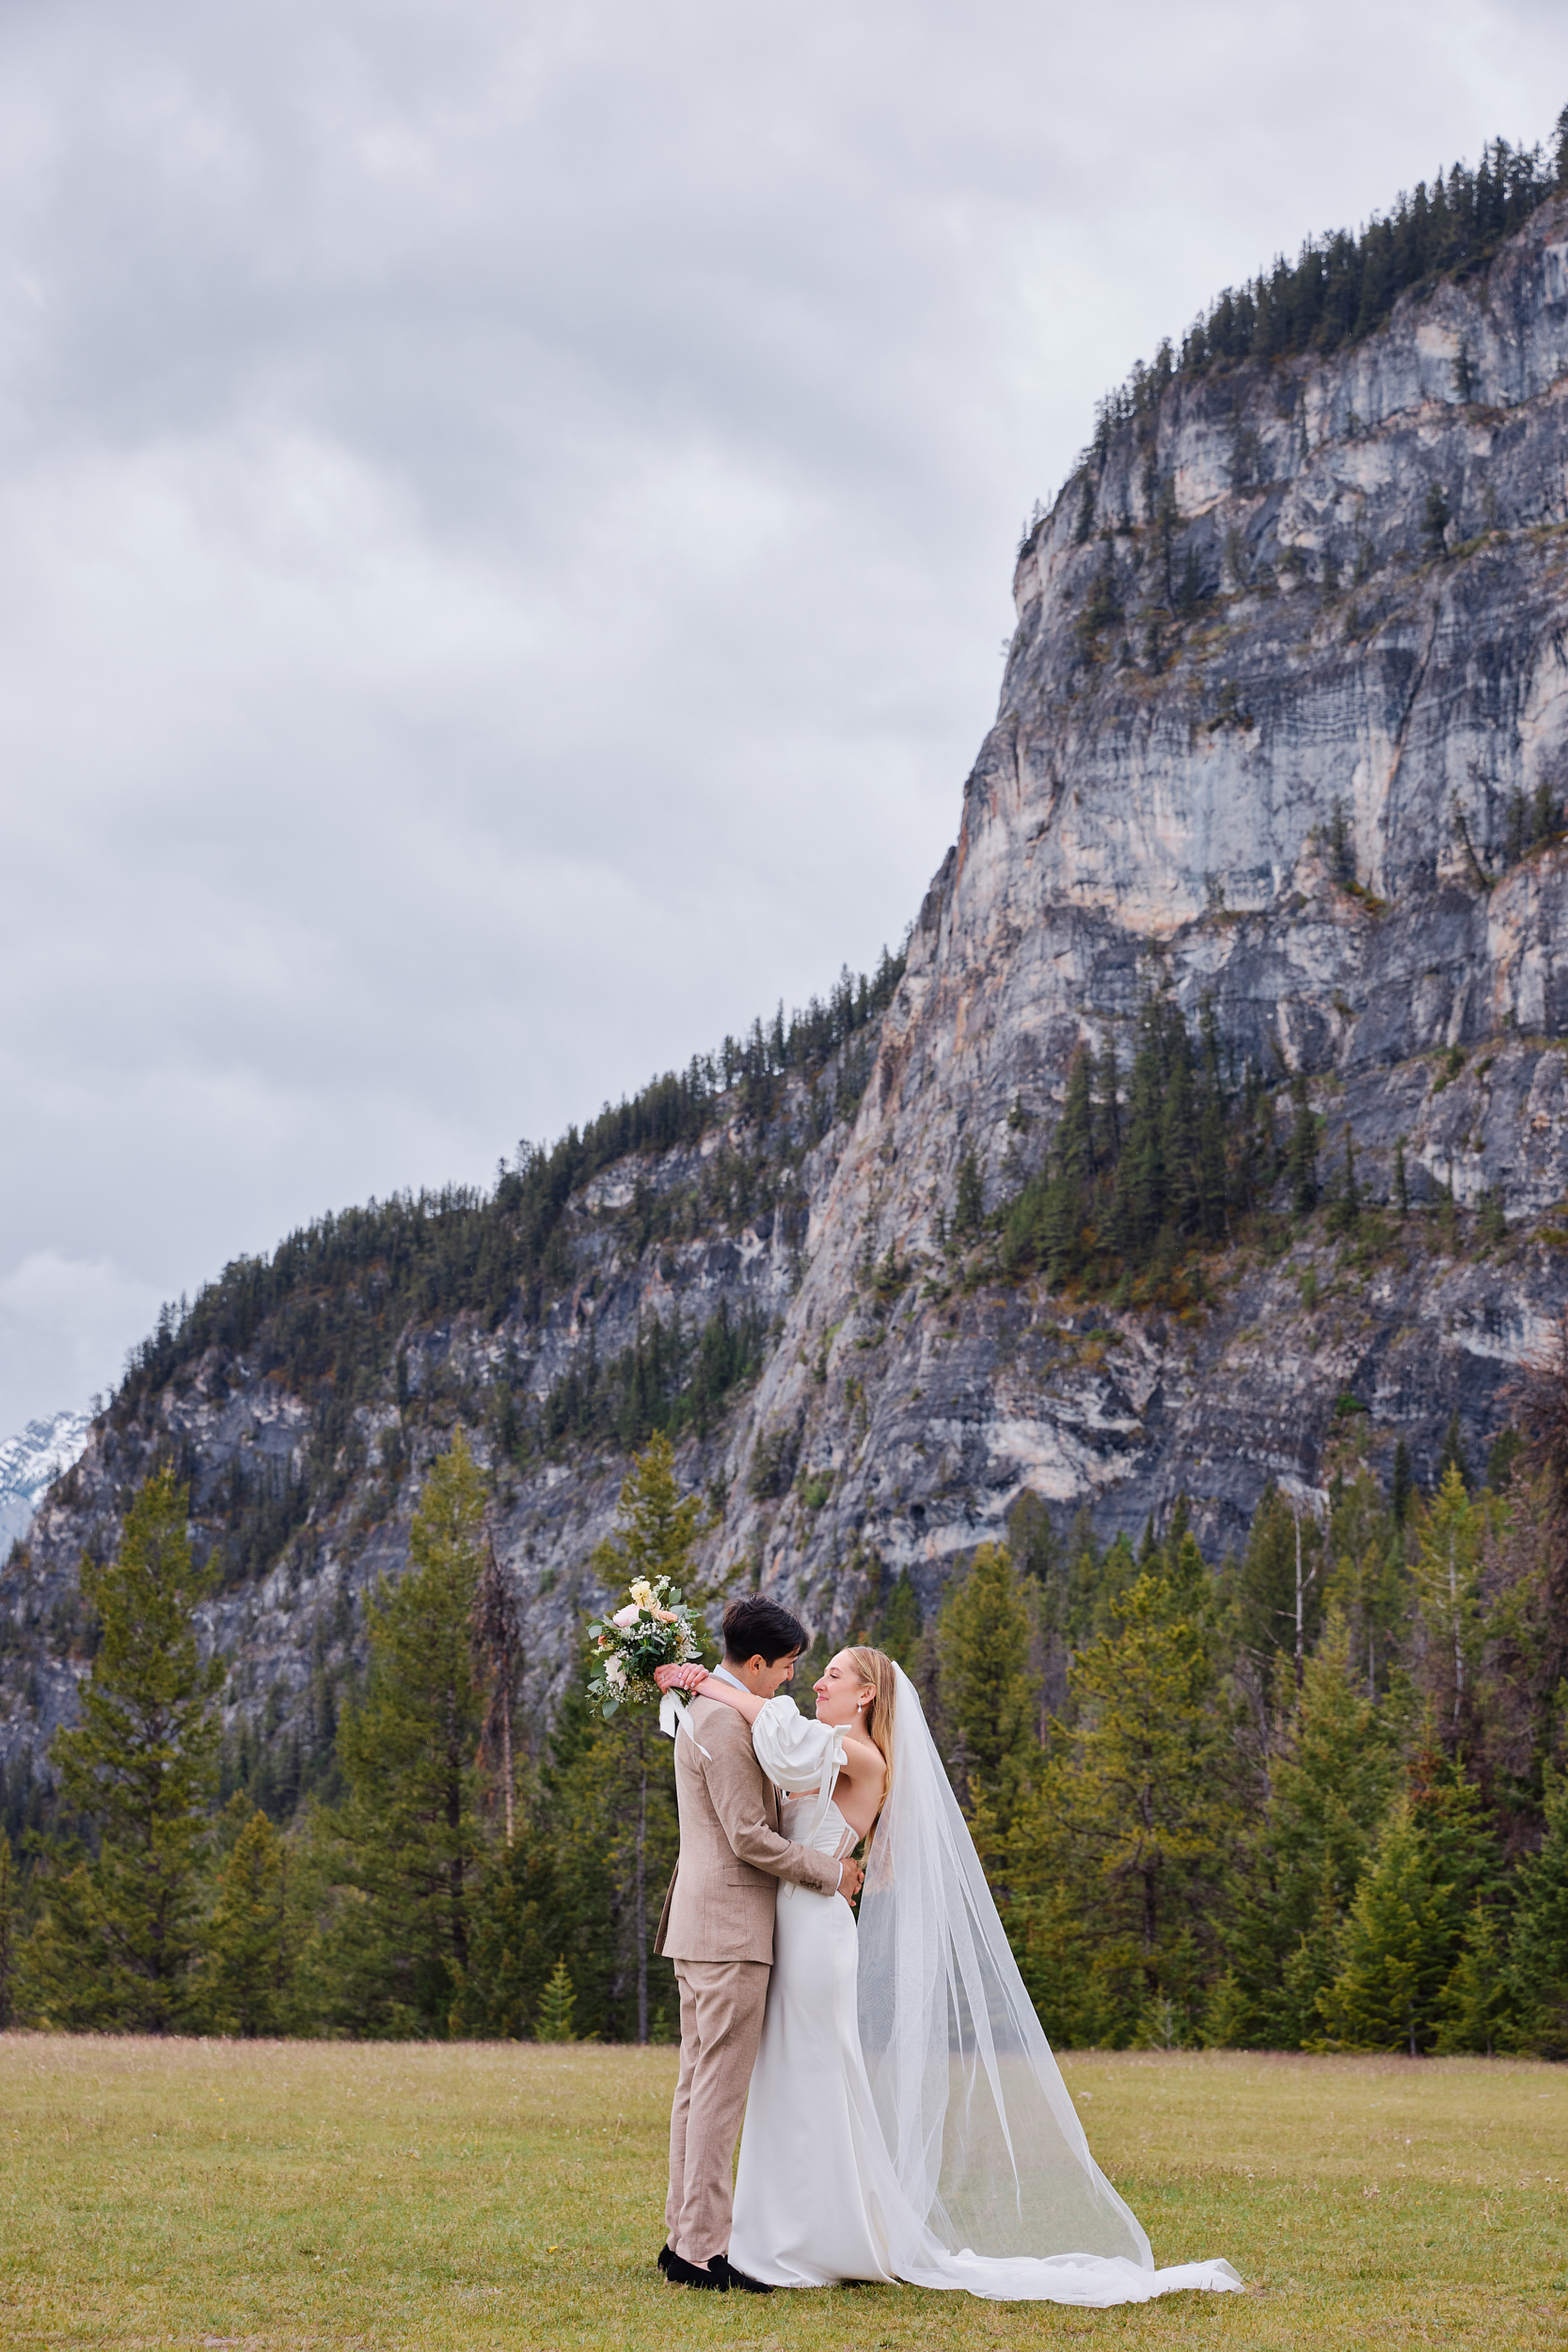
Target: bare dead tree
1305 1578
498 1637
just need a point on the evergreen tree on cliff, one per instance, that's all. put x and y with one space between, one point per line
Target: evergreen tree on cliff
117 1934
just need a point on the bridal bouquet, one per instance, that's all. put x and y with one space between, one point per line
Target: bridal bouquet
655 1628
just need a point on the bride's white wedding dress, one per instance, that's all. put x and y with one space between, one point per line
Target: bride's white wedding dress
813 2184
905 2119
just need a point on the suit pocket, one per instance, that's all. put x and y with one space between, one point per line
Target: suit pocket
743 1878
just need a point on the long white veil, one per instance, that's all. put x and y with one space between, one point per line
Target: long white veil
988 2149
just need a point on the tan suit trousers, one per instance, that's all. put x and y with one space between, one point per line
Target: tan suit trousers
722 2007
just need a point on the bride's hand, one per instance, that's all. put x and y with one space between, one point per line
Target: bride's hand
687 1677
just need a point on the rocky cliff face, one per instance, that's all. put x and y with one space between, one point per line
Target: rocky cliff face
1368 678
1284 730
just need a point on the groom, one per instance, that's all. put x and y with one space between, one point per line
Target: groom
718 1928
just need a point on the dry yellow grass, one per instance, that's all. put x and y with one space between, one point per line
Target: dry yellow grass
308 2193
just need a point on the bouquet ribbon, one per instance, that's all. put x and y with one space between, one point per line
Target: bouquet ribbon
674 1717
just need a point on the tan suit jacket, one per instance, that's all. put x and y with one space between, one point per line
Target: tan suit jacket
719 1904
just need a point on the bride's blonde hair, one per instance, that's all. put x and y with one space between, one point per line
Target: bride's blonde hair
876 1672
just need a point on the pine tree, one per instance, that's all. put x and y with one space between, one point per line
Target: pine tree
655 1531
517 1922
1280 1586
1069 1201
1398 1948
1133 1187
899 1623
1178 1138
1107 1107
970 1206
1302 1156
1368 1584
498 1635
8 1928
1063 1966
1451 1536
408 1828
1475 2008
1401 1183
1344 1209
1404 1486
118 1933
608 1792
1135 1813
1330 1782
1407 1926
1212 1176
1452 1456
582 1806
556 2005
1033 1543
1544 814
247 1946
1060 1232
1073 1143
987 1690
1538 1947
1082 529
1139 1200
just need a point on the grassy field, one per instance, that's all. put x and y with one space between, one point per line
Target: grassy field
280 2194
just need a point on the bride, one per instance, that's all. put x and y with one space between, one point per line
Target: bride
905 2119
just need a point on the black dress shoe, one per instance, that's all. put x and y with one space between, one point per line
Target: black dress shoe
665 2257
737 2278
679 2272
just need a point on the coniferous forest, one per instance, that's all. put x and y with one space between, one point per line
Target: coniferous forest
1309 1797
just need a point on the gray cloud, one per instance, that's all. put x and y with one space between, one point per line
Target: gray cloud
505 527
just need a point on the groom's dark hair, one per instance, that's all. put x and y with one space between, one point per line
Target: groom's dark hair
755 1628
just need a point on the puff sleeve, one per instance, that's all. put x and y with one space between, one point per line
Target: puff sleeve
797 1754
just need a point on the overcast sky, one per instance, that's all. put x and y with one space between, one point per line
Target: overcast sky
506 522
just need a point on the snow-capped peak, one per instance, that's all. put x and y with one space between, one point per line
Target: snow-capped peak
28 1463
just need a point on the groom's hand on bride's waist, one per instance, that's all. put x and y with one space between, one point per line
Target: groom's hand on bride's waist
850 1875
685 1677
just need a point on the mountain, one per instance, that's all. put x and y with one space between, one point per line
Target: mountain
30 1461
1215 1118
